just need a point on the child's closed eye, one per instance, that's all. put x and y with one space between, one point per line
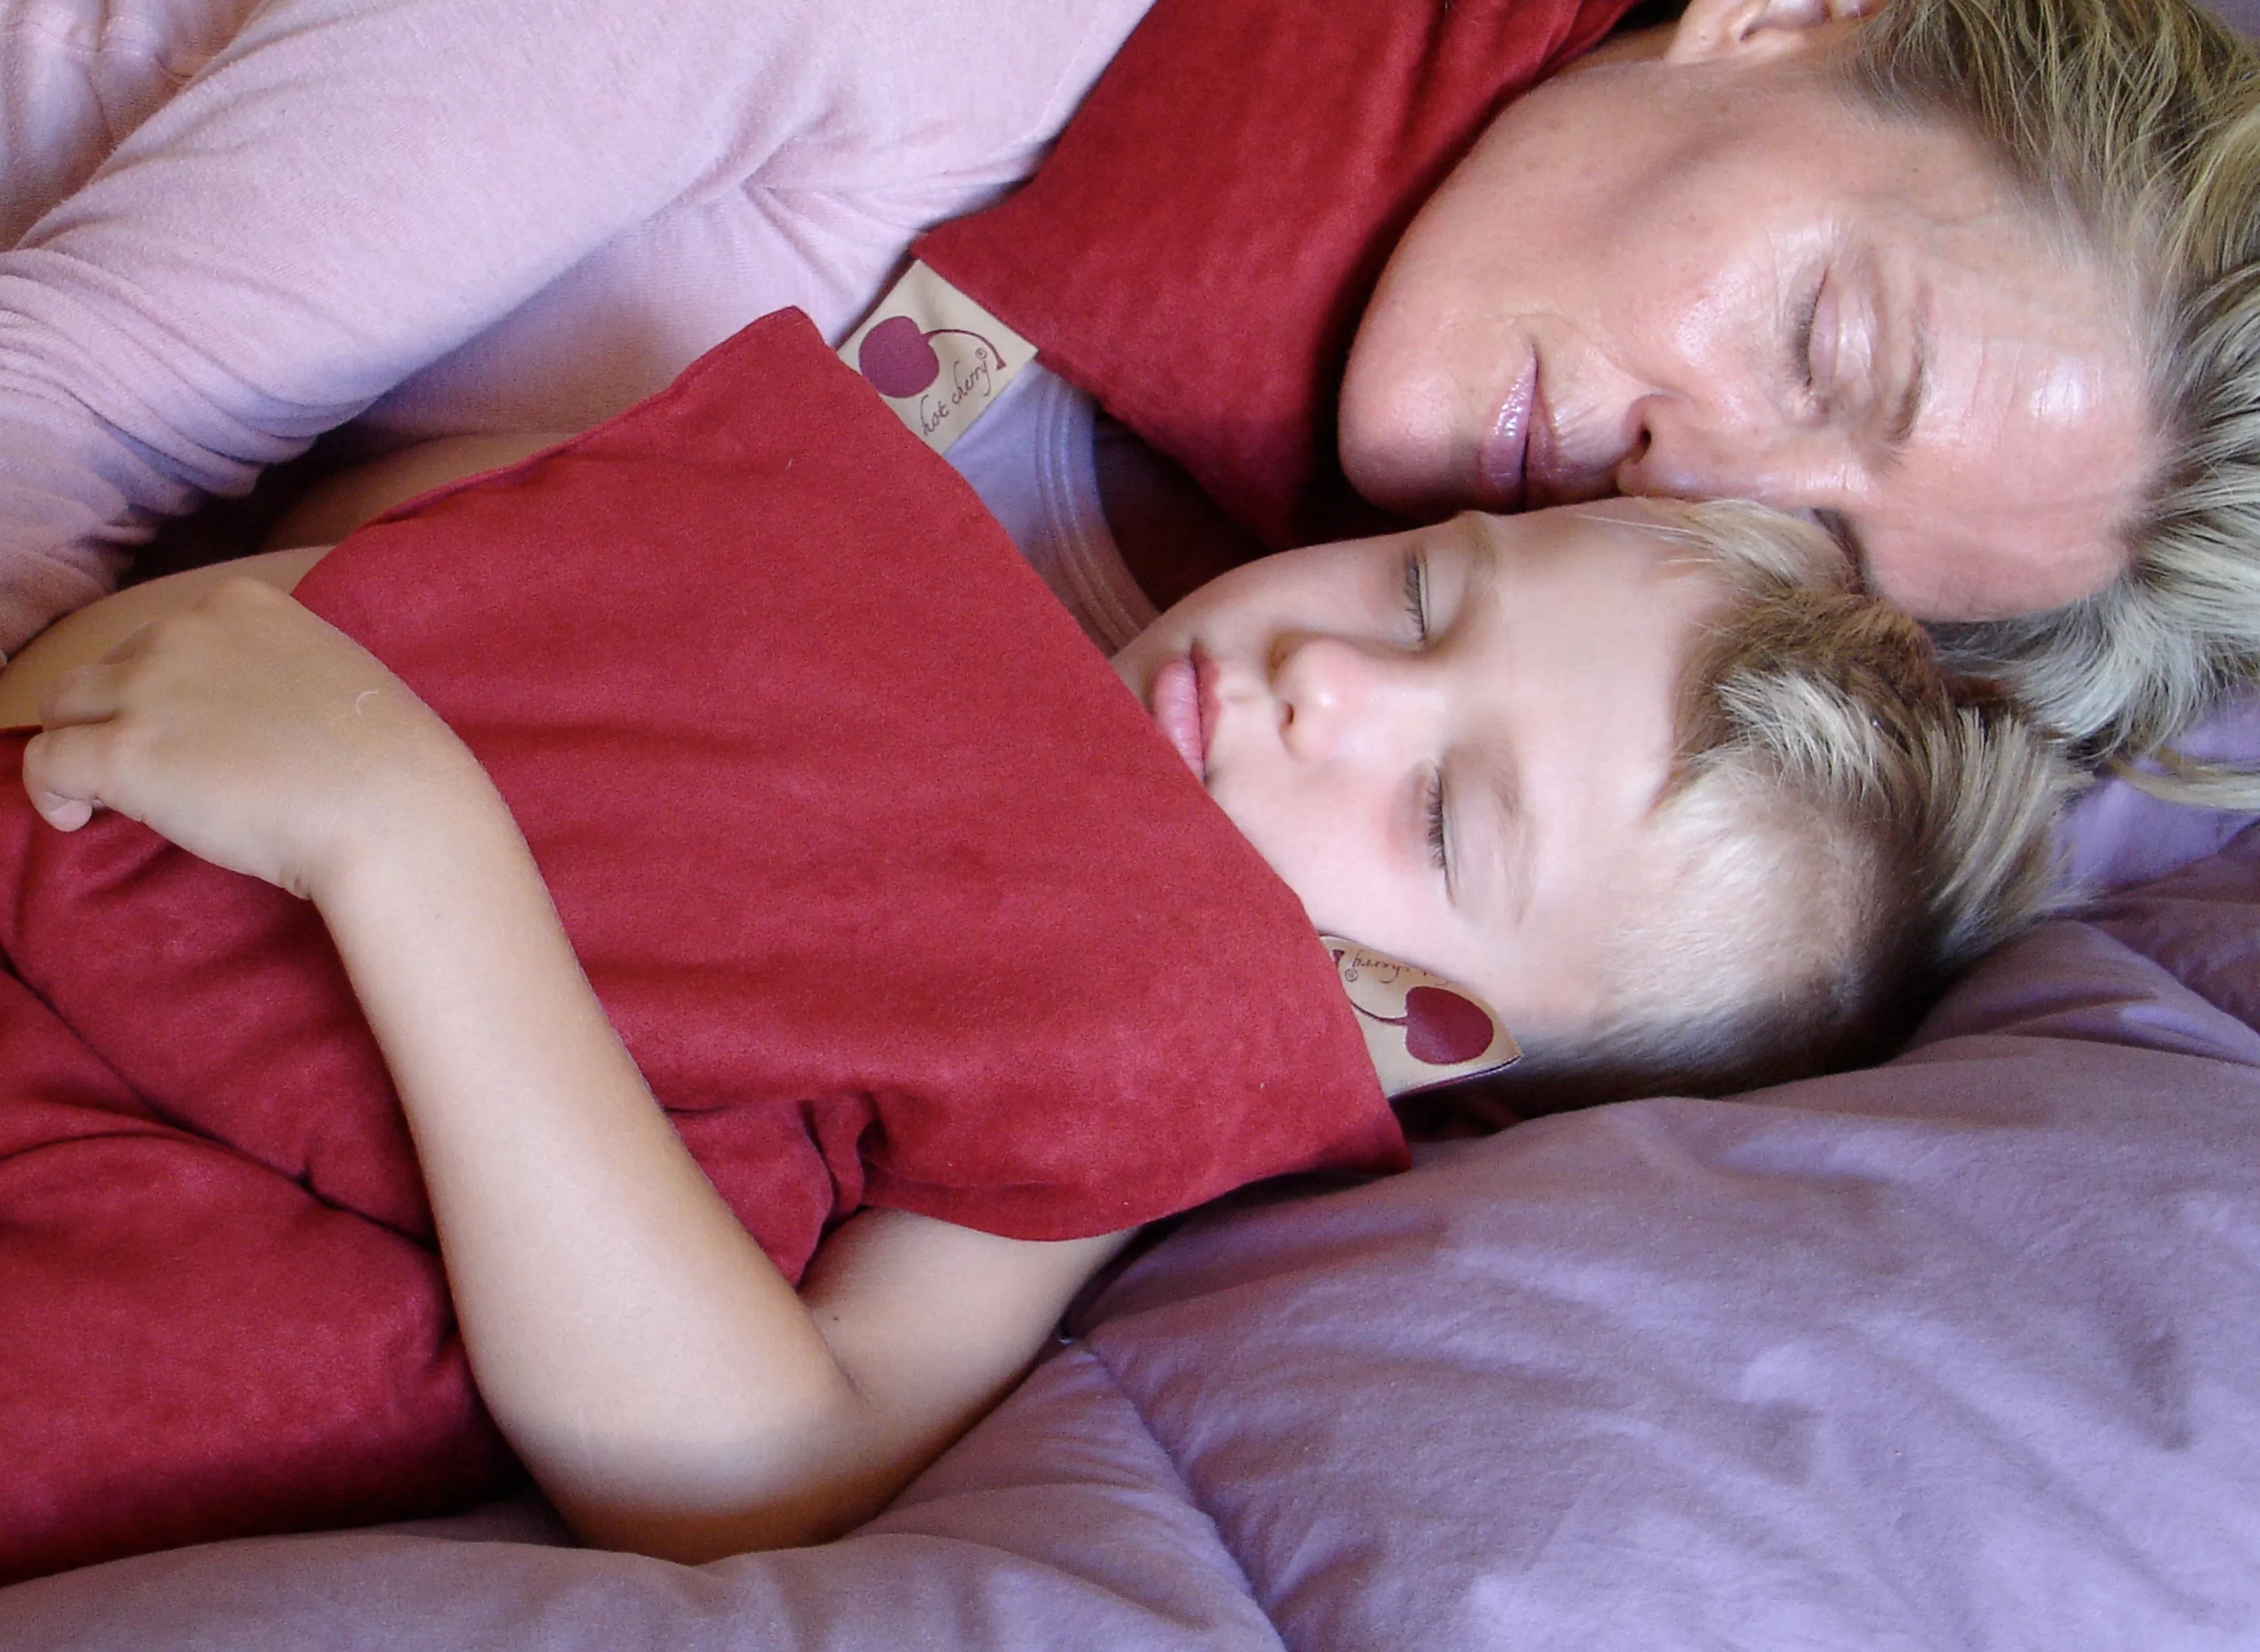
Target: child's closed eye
1438 852
1416 594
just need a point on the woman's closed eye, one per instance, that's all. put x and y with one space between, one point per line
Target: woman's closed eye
1813 353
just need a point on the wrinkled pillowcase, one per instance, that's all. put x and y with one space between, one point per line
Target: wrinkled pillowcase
1197 249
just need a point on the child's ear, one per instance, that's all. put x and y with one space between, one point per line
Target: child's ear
1419 1029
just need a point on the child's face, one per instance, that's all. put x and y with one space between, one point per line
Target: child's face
1448 743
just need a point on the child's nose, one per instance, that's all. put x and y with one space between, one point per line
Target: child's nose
1337 697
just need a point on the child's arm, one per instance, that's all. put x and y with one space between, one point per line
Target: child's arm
84 635
345 499
667 1386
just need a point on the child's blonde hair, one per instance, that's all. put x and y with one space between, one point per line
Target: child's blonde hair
1840 834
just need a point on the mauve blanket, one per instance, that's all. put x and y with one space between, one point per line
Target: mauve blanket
1957 1353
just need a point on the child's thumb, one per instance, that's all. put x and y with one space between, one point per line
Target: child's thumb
59 778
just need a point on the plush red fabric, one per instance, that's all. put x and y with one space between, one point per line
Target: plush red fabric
896 896
1197 249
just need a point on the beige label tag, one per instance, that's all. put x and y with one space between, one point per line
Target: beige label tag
1419 1029
939 358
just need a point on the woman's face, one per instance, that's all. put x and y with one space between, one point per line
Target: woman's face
1692 266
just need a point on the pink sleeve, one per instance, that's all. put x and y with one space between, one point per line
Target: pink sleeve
352 190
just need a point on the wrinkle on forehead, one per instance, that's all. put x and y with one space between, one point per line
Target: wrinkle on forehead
2040 424
2067 416
2067 392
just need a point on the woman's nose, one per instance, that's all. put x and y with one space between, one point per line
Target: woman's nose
1338 696
1682 449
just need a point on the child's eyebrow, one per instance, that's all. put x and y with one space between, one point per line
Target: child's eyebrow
1499 850
1494 827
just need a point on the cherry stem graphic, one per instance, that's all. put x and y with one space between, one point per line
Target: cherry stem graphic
963 334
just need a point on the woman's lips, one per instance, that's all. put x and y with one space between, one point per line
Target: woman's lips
1180 710
1551 477
1500 461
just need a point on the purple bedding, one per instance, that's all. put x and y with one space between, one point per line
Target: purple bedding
1960 1352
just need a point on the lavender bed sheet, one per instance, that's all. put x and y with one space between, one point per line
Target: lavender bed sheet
1962 1352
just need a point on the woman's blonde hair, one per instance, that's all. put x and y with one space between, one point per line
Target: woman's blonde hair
2134 125
1840 835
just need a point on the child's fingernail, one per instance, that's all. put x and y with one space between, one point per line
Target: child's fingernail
66 814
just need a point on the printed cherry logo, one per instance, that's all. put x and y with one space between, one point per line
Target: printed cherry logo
896 357
899 360
1441 1028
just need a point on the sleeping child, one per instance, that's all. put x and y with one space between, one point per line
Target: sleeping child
713 762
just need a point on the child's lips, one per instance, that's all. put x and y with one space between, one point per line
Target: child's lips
1179 713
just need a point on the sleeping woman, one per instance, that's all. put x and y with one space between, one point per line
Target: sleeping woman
1967 282
796 977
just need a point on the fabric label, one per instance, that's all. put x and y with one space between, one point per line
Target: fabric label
938 358
1419 1029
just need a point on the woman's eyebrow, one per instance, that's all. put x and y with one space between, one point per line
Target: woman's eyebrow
1914 388
1913 393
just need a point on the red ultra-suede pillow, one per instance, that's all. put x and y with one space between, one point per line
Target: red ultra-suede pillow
1196 251
896 895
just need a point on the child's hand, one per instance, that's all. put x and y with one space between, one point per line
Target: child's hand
251 734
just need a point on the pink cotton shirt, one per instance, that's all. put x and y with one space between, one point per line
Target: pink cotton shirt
449 215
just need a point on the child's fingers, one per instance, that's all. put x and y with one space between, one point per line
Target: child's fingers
131 643
65 774
92 693
84 694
